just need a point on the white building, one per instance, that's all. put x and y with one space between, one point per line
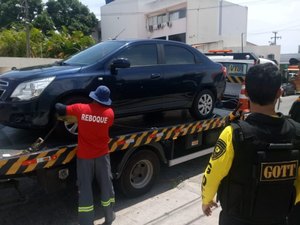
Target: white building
209 24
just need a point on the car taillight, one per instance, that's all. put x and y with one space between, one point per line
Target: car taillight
224 71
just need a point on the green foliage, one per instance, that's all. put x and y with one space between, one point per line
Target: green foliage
62 45
71 14
12 43
44 22
54 45
12 11
58 28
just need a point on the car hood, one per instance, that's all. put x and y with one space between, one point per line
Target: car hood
30 73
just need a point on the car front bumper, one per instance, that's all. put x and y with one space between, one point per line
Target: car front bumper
23 115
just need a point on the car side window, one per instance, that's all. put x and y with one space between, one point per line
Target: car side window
178 55
141 55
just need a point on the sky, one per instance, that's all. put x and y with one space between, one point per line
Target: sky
264 18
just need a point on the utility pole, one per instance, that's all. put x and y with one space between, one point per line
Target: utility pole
27 29
242 41
275 38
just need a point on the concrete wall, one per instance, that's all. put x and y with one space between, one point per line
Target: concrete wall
233 24
6 63
207 22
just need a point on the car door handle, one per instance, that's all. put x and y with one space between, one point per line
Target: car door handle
155 75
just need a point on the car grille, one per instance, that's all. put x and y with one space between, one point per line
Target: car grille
2 84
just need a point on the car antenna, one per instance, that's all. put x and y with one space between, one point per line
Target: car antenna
118 34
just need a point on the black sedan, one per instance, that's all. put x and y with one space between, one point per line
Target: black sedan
143 76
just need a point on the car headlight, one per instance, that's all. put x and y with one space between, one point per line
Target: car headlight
31 89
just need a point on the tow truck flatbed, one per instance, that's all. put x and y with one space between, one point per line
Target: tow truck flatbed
171 138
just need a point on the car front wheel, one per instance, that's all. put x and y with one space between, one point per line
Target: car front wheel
203 105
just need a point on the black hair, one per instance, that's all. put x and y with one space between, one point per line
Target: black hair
262 83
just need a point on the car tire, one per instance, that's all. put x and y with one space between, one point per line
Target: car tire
203 105
70 130
139 174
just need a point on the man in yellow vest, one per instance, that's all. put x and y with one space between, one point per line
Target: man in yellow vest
253 168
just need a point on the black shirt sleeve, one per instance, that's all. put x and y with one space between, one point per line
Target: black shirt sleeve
61 109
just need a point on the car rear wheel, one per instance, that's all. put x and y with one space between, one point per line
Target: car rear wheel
203 105
139 174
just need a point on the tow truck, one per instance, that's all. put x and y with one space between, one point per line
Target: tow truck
138 146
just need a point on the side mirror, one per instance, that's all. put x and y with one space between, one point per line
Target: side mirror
119 63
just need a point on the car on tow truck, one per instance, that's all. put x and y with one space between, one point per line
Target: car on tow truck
144 76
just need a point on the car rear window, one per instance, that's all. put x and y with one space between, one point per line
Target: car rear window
178 55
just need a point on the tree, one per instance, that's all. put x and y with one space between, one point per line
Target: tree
71 14
13 11
58 29
44 22
50 16
64 44
54 45
12 43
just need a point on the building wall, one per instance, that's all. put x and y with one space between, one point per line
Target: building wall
206 22
233 24
6 63
122 19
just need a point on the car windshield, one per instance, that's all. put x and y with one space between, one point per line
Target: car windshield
93 54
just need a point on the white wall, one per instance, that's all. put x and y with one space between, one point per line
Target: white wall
122 19
234 24
131 15
204 22
6 63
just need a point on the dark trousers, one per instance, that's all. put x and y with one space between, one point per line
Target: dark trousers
87 170
229 220
294 217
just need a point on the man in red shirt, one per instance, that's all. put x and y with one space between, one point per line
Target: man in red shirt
94 121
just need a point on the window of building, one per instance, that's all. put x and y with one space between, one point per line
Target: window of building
162 18
178 14
165 17
142 55
178 37
152 20
178 55
162 38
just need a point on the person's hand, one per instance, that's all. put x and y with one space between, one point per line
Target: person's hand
207 208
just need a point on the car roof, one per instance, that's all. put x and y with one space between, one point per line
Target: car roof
150 41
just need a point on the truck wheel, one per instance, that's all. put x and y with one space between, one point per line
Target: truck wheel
70 129
203 105
139 174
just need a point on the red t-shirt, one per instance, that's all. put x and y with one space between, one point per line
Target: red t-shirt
94 121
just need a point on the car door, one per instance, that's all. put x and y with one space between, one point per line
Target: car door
138 89
181 74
